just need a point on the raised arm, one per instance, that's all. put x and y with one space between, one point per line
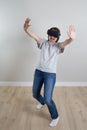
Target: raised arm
29 32
71 34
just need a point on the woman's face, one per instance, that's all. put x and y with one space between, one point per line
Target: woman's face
52 39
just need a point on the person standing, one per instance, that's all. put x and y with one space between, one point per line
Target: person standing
45 72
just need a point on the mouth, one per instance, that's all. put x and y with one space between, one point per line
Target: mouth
52 39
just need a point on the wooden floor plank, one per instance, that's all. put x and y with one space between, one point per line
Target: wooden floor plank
18 109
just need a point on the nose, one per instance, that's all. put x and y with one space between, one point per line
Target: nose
52 37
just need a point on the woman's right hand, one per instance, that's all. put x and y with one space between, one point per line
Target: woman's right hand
27 24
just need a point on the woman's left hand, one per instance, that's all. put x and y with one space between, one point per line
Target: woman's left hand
72 32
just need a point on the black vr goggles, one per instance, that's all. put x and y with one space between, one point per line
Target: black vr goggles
54 32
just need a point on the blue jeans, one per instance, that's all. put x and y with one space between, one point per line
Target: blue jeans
48 79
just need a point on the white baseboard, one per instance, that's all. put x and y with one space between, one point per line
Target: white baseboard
16 84
67 84
24 84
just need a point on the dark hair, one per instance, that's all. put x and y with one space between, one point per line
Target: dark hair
54 31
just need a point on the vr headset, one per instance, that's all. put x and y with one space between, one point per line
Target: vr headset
54 32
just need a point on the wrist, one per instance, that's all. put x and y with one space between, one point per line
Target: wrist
26 30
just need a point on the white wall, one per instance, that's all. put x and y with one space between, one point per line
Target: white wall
19 54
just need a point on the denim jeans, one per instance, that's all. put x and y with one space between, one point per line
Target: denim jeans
48 79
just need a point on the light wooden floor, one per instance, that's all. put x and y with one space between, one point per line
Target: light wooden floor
18 109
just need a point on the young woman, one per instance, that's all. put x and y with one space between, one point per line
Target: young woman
45 72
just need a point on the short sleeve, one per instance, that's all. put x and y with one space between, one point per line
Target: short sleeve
40 44
61 50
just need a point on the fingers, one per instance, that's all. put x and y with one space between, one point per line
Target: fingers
72 32
71 28
27 23
27 20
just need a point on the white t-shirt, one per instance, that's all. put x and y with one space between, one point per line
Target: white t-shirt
48 56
